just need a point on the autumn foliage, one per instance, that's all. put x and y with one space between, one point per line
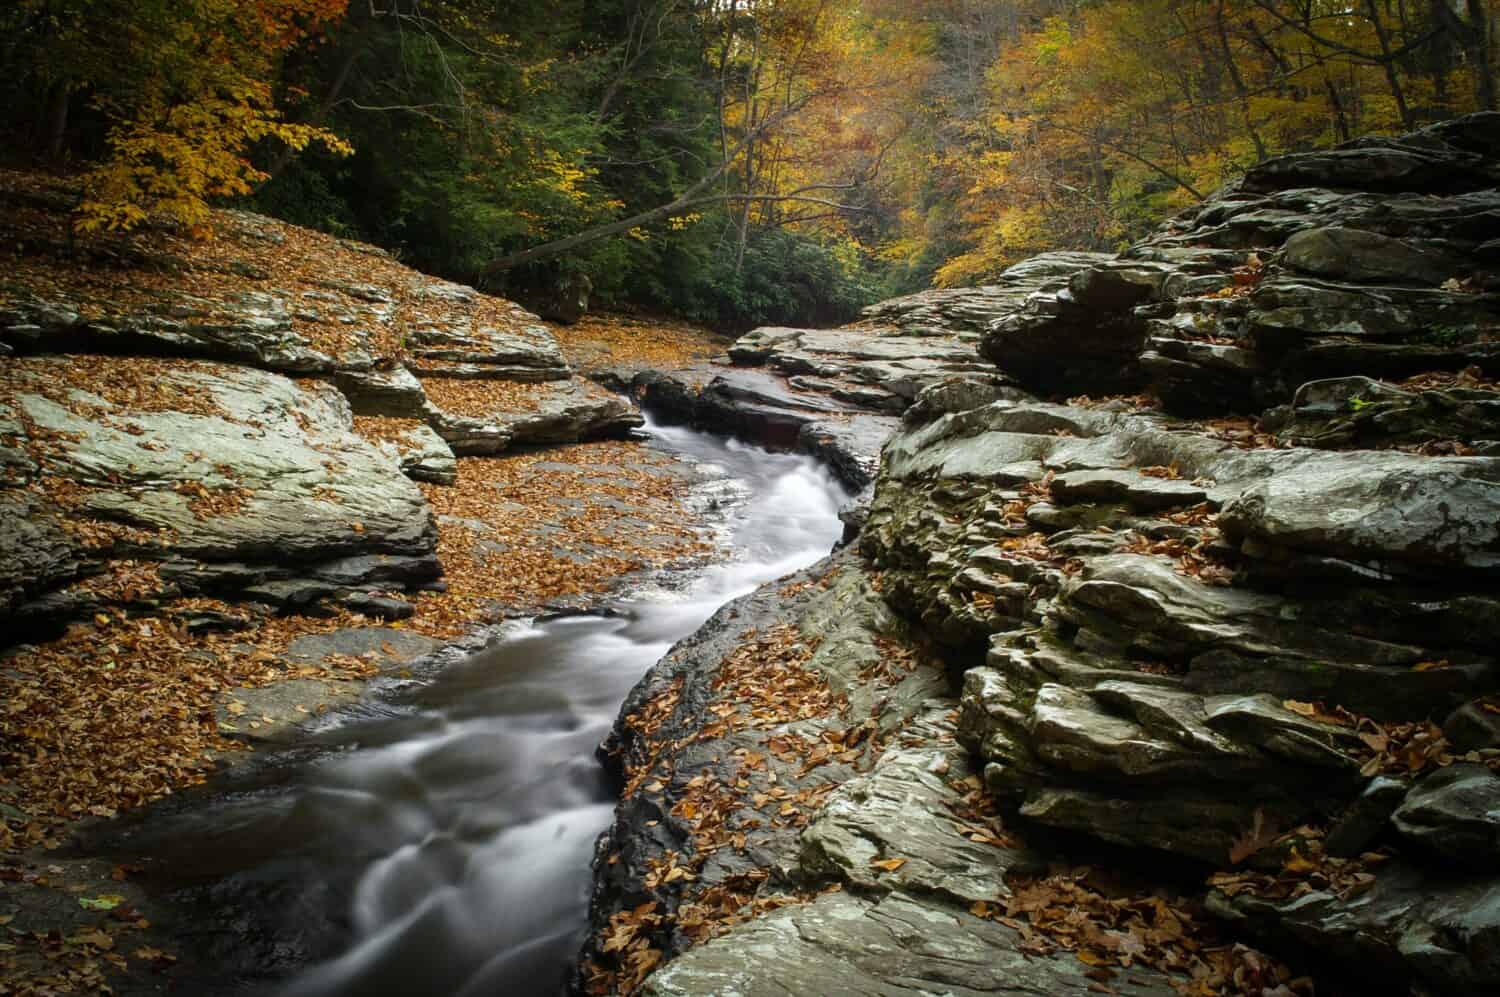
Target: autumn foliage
737 163
185 89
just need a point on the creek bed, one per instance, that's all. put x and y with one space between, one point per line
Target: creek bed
436 838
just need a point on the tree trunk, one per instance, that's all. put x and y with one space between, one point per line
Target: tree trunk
1482 52
57 122
1388 63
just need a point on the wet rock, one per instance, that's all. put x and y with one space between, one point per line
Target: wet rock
669 758
1159 659
1474 726
1139 491
390 646
1367 817
1263 721
1397 512
1353 254
1455 813
422 455
274 713
1200 827
904 809
839 944
1409 929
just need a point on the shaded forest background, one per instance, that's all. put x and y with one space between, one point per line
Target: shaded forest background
735 162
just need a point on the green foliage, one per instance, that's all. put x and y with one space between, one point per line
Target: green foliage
785 278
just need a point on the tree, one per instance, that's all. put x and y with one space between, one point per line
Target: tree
185 91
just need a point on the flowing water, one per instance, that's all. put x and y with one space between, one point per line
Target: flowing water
446 825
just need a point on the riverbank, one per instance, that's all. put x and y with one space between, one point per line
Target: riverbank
1159 659
161 624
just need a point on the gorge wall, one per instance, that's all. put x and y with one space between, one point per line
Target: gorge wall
1167 627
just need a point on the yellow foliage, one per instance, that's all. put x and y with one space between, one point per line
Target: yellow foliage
194 98
173 161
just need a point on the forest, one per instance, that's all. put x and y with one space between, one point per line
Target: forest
732 162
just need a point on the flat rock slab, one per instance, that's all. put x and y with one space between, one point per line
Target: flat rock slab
1398 512
259 483
520 352
904 810
276 712
554 412
391 648
839 944
1139 491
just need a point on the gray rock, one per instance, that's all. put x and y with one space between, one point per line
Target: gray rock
1409 929
1359 411
1071 731
307 493
1455 813
395 392
391 647
422 455
1263 721
520 352
1095 315
1352 254
1474 726
1198 826
1397 512
1139 491
903 809
839 944
565 412
1441 158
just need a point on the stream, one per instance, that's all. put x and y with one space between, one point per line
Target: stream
435 839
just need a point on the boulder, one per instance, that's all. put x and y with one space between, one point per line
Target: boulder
1369 257
1081 338
422 455
1455 813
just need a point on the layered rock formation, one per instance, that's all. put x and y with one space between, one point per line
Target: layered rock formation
1199 547
239 418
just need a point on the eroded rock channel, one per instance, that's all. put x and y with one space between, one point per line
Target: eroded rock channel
1159 655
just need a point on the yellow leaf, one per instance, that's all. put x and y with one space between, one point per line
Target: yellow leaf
1297 865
